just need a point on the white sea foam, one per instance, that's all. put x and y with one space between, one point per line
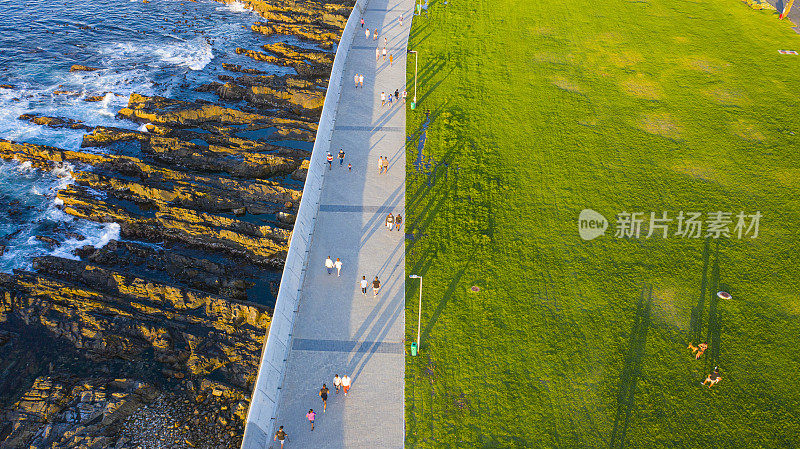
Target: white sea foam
235 6
194 54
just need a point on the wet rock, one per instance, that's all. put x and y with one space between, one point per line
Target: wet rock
54 122
82 68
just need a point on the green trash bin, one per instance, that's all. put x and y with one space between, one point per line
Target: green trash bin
413 105
414 349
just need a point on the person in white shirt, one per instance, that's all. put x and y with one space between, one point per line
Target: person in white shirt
360 80
338 265
329 264
364 284
355 80
337 383
346 384
366 33
383 98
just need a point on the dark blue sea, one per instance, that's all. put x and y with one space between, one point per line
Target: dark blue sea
164 47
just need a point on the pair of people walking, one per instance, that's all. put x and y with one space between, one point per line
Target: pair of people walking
330 265
341 383
376 285
394 220
358 80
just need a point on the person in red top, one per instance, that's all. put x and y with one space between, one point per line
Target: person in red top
330 160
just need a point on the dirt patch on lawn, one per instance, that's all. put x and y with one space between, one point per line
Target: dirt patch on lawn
747 130
727 97
642 87
704 64
564 83
660 123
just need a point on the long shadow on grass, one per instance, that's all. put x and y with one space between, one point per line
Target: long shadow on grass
633 367
714 333
442 303
696 322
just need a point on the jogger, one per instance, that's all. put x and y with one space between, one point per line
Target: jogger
280 435
323 393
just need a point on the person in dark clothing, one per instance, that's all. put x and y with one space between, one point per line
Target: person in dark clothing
280 435
323 393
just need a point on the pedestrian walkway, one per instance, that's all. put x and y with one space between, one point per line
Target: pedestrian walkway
337 329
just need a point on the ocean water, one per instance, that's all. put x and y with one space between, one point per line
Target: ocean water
164 47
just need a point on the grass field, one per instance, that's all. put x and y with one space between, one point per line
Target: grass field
538 110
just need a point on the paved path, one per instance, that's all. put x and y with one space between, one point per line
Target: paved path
337 329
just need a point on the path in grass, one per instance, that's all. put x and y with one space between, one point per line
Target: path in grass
540 109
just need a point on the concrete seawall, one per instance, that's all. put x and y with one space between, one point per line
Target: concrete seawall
267 390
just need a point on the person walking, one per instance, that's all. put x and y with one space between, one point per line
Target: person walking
355 80
311 415
366 33
401 21
330 160
338 266
398 220
390 99
341 157
385 42
376 285
337 383
397 94
383 98
377 54
380 165
389 222
364 284
329 264
405 93
385 164
362 22
375 35
323 393
361 81
349 167
391 60
384 54
280 435
346 384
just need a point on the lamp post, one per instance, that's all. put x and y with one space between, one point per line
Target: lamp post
414 103
419 319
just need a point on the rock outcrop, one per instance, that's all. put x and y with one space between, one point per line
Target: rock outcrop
154 340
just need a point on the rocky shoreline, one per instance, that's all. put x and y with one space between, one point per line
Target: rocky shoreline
154 340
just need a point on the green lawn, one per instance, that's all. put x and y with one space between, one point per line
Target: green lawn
541 109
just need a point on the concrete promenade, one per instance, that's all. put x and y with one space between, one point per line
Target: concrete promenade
337 329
